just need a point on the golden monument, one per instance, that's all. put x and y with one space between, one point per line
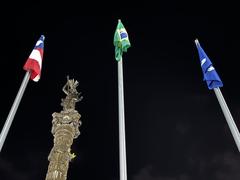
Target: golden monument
65 128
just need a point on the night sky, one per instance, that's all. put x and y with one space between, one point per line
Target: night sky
175 128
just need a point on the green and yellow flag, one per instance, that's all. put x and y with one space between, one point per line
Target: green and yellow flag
121 41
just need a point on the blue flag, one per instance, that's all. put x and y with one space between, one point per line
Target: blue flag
209 73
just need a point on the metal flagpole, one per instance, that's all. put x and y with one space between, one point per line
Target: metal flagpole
122 143
13 110
228 117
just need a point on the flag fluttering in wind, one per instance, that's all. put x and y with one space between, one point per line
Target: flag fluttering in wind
209 73
33 68
214 82
34 61
121 41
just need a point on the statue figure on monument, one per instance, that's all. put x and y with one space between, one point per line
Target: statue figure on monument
70 89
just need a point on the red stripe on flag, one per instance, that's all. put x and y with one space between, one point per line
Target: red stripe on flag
33 66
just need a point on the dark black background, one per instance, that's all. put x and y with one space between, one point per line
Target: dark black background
175 129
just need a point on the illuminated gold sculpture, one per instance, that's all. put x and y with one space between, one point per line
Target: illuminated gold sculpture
65 128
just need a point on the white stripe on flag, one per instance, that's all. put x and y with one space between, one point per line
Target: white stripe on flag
36 56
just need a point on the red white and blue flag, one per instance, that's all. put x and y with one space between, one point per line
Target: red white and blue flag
34 61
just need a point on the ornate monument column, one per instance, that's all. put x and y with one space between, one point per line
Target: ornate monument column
65 128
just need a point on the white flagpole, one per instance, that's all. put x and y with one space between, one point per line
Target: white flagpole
13 110
122 143
228 116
